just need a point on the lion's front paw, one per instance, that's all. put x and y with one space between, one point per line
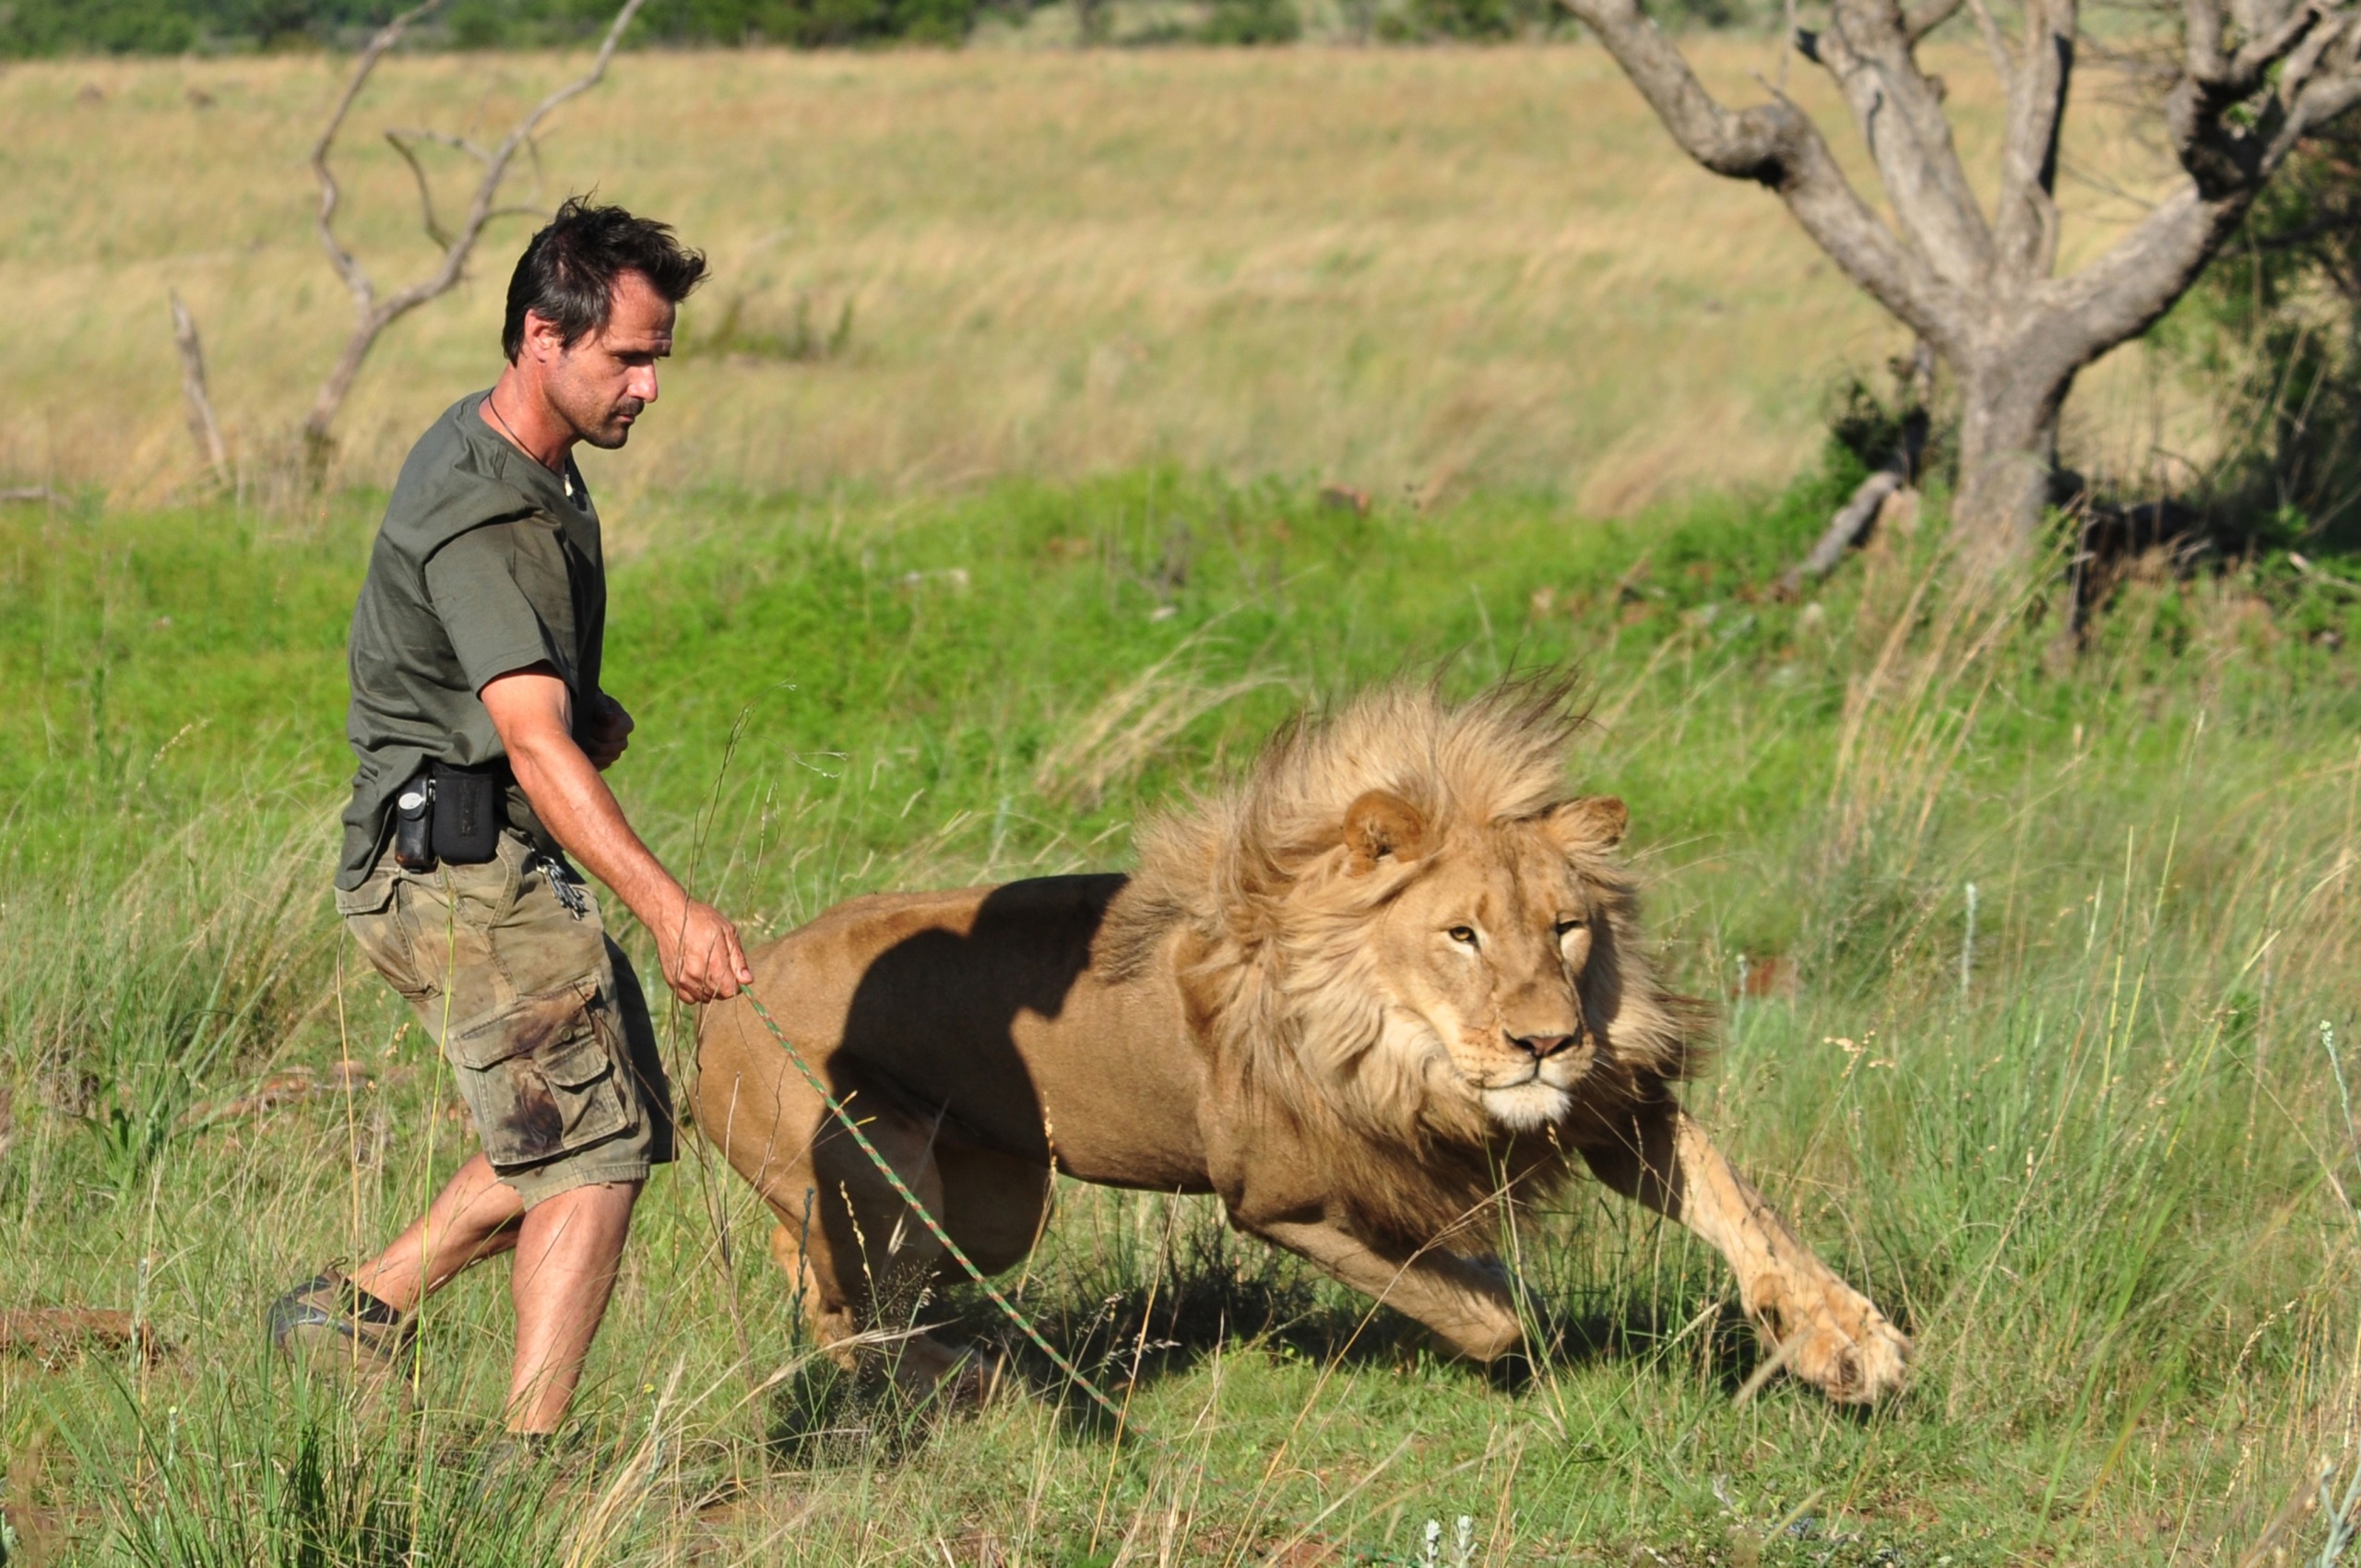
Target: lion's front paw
1835 1339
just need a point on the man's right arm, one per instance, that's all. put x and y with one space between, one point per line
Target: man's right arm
698 946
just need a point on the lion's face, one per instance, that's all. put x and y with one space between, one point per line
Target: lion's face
1484 951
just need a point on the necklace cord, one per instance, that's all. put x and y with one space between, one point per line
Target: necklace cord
510 431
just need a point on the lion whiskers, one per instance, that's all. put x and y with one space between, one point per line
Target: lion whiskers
1525 1107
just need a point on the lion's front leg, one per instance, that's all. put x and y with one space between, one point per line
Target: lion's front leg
1465 1302
1826 1331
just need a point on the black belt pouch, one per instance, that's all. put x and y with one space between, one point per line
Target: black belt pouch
468 814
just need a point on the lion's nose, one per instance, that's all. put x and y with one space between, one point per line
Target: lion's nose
1541 1047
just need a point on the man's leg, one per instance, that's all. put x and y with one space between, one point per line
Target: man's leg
366 1320
567 1249
474 1216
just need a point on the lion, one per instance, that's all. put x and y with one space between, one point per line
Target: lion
1386 988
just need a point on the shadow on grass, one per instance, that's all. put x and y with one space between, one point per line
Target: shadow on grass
1125 1336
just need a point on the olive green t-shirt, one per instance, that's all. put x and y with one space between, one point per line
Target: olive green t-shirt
486 562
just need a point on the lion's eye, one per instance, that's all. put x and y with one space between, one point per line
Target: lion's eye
1571 922
1465 936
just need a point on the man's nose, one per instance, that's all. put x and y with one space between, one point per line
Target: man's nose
641 384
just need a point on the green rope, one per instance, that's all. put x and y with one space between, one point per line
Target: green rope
933 1226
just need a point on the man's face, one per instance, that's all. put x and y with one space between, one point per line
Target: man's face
600 384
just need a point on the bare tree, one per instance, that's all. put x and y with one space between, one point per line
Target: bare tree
203 428
373 312
2249 80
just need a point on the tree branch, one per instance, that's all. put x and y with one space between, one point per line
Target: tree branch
1995 44
1919 20
435 230
2228 159
373 314
2201 26
2027 214
2259 54
1898 472
1776 145
2126 289
1867 49
348 268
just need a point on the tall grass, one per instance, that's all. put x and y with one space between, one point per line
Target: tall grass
2098 1159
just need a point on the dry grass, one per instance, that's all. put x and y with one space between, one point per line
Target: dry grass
1422 269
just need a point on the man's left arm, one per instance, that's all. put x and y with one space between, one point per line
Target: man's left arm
604 730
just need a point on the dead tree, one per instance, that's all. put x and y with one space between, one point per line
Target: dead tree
203 428
2249 80
374 313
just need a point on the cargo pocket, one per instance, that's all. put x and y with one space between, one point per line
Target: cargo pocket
373 913
540 1078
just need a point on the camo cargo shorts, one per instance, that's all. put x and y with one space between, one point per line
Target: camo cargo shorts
536 1008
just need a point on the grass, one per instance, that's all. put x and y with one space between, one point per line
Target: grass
1417 272
2097 1155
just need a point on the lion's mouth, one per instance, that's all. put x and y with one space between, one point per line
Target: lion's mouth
1559 1071
1527 1106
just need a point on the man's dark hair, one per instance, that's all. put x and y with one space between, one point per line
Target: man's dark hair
567 274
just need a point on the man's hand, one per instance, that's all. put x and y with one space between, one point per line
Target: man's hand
701 955
702 958
605 732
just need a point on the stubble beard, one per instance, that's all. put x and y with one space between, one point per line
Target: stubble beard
611 431
599 423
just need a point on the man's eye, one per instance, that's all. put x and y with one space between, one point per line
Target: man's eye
1462 934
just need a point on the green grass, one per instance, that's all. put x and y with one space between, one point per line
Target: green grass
2100 1173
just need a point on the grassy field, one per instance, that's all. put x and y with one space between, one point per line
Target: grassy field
2090 1142
1415 271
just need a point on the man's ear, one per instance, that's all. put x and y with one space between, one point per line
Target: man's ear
1595 821
1380 827
544 338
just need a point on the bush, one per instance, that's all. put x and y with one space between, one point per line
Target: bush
1468 20
2275 326
1252 21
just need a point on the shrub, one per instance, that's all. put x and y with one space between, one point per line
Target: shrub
2275 326
1252 21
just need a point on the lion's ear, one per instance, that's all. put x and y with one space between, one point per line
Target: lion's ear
1379 825
1595 821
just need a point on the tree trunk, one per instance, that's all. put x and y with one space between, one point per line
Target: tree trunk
2008 449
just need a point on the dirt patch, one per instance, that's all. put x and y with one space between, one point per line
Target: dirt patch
283 1089
55 1334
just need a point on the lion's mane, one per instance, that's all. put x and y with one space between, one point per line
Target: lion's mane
1290 988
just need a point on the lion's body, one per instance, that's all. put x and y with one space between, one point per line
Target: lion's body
1389 981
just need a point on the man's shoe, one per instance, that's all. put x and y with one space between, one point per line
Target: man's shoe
330 1322
509 1455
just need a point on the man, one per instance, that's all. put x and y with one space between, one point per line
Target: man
482 729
